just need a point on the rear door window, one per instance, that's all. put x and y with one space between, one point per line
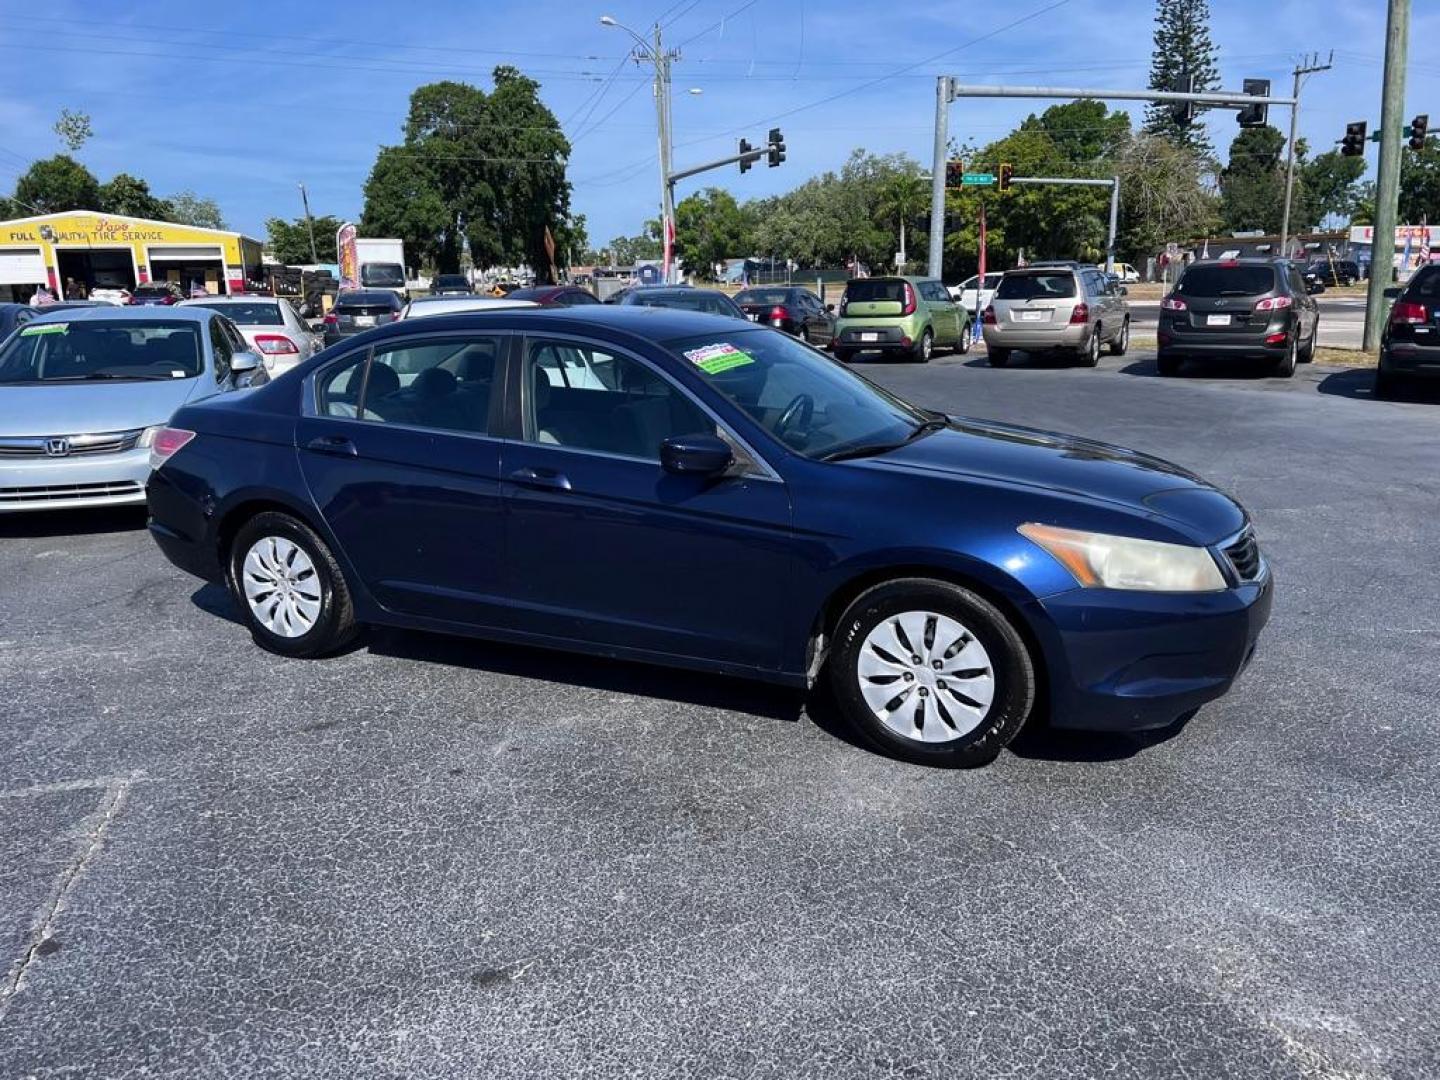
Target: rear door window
1217 281
1036 287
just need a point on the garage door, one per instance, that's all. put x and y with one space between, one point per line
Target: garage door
22 266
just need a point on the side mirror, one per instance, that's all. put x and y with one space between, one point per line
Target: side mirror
696 455
242 362
1392 294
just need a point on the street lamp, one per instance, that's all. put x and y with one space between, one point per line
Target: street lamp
661 60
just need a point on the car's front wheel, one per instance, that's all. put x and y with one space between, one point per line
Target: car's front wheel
962 344
932 673
289 587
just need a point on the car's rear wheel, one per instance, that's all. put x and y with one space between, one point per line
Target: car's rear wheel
289 587
1089 353
1284 366
962 345
842 354
1307 354
932 673
999 357
1167 364
1387 385
924 348
1122 340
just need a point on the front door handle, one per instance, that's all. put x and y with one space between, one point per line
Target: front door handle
339 445
547 479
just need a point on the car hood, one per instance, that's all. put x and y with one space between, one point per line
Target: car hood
81 408
1046 461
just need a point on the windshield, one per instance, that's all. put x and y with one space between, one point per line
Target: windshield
762 296
73 352
348 300
1226 281
814 405
261 313
869 290
1035 286
451 281
382 275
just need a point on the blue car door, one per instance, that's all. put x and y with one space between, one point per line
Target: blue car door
605 546
399 459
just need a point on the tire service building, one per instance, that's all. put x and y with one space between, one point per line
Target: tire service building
106 251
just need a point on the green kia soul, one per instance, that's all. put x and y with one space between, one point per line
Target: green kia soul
907 315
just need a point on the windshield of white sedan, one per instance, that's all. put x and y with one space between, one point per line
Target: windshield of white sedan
259 313
95 350
814 405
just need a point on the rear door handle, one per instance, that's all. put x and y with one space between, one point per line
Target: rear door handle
339 445
547 479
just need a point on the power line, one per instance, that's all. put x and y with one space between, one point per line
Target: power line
716 26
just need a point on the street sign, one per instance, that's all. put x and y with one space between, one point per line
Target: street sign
977 179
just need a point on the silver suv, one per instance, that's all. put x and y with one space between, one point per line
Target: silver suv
1047 308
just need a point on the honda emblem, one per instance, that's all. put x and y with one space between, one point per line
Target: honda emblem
57 447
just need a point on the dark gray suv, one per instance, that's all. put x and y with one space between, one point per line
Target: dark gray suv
1248 309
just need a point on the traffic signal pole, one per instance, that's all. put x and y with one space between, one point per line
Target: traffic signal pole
1387 180
948 89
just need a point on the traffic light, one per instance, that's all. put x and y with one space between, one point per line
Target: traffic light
1416 131
1255 115
954 173
777 147
1183 112
1353 144
1006 172
745 148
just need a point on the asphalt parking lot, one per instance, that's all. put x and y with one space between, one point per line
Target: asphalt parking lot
441 858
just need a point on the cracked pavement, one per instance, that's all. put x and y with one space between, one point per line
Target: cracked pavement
434 857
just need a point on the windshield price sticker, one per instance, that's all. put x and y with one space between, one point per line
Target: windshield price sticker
713 359
35 329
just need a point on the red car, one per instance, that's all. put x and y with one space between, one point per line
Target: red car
554 295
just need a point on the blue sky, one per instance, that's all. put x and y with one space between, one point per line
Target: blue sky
241 102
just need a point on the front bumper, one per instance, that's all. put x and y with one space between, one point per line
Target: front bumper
80 482
1131 661
1035 338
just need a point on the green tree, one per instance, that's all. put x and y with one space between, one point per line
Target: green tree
1181 44
628 250
289 241
187 208
58 183
73 128
1252 184
710 227
904 197
1328 188
476 171
130 196
1164 196
1420 184
1084 132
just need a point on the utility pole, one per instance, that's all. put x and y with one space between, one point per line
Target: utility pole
1387 180
654 51
937 175
310 223
1306 66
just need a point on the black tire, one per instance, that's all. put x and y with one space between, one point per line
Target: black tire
999 357
1307 354
1166 364
1010 668
1088 354
1122 340
843 355
1283 367
1386 385
924 348
334 627
963 345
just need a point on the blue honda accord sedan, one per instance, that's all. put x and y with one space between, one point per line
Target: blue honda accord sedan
674 487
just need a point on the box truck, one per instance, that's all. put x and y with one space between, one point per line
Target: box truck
382 265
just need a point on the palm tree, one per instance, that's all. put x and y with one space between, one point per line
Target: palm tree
903 197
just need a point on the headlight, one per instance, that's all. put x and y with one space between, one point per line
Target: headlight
1098 561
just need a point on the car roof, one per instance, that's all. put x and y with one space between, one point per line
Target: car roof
174 313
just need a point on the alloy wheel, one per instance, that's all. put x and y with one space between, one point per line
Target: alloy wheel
925 676
281 586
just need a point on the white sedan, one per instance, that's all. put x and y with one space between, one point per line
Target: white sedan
453 305
272 327
975 296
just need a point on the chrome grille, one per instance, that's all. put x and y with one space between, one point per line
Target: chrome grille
106 442
1244 556
62 493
